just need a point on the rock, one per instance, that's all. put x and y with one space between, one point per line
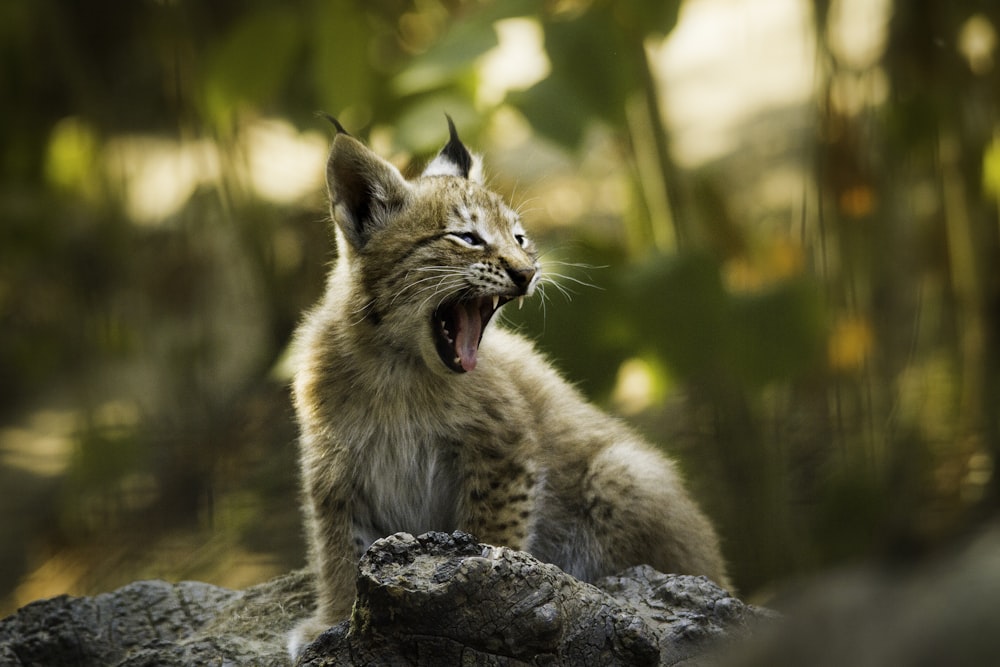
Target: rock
428 600
159 623
941 611
446 599
691 617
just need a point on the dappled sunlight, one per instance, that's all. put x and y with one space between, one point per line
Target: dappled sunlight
977 42
60 574
779 259
159 176
518 61
285 165
978 476
728 60
70 157
566 202
43 445
638 387
850 343
206 554
508 130
991 165
858 31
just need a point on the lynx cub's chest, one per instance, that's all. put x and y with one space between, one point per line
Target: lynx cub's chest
418 413
408 489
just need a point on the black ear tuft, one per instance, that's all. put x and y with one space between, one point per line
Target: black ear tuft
333 121
455 159
455 151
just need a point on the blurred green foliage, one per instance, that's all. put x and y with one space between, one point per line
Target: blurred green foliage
830 385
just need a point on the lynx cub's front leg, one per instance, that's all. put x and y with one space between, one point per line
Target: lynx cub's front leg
498 501
333 548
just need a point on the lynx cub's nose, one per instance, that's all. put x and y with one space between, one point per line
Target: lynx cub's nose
521 277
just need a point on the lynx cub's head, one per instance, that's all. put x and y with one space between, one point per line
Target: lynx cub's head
428 261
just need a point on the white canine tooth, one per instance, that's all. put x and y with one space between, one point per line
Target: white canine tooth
520 302
456 360
496 302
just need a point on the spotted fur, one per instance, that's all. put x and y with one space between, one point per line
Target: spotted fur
396 435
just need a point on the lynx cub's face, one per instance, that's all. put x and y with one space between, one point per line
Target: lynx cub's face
432 259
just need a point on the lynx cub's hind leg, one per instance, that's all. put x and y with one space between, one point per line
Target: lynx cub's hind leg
660 525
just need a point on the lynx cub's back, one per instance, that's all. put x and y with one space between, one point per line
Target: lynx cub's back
417 414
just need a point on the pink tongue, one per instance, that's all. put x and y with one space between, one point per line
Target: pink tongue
469 325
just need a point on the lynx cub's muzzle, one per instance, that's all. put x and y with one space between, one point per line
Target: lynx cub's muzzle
458 325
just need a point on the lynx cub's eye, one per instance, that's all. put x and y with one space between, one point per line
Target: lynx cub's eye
469 238
521 239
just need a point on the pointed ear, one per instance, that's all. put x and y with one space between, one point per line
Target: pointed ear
455 159
364 189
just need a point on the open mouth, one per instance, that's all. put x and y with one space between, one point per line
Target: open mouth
458 329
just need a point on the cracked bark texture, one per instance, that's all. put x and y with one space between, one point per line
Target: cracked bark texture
429 600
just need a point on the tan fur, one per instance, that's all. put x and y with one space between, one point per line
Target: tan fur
394 440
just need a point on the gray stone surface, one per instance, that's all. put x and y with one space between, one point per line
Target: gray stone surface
159 623
446 599
429 600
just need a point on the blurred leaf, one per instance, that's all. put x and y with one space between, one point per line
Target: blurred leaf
343 71
422 127
850 343
454 55
648 17
72 152
253 61
777 333
850 511
449 58
594 60
104 456
497 11
679 306
594 70
545 107
991 168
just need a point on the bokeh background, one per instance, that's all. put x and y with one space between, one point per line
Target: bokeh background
774 222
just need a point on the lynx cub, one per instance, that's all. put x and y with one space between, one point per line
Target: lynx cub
417 415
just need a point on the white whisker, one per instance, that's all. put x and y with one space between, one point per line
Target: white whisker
440 269
444 297
550 278
452 275
575 265
565 291
521 210
361 310
443 287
